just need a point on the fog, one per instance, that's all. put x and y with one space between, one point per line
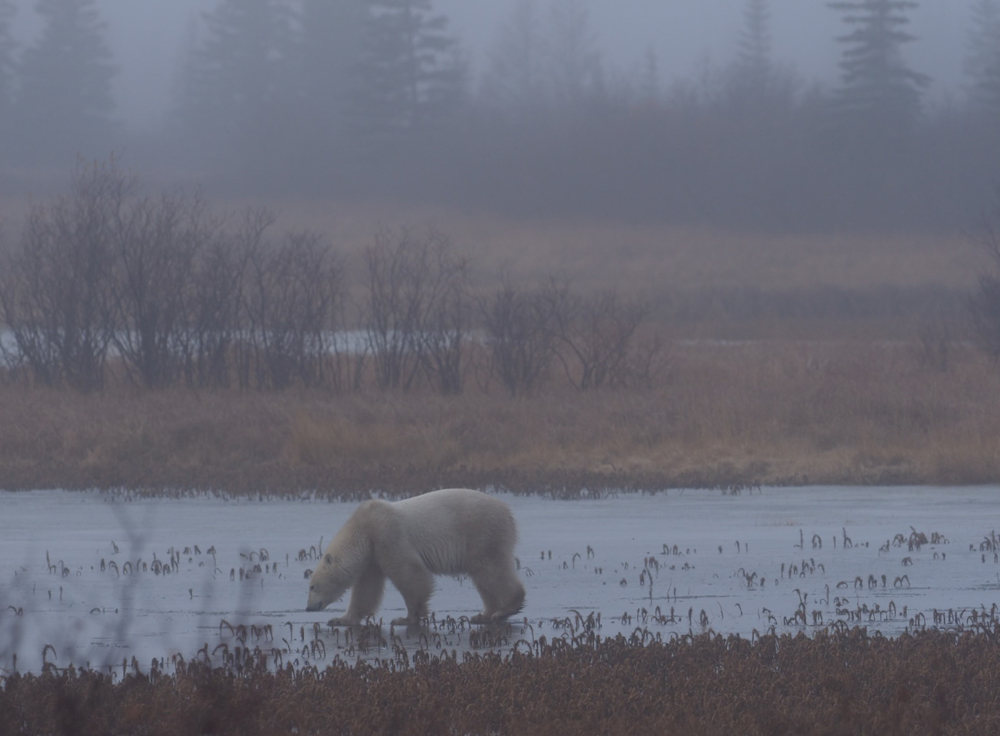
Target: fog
681 50
148 38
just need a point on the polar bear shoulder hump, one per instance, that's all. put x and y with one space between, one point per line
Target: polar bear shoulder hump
456 507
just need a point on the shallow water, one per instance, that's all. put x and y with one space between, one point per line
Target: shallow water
731 571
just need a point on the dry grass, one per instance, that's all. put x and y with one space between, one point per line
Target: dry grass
648 258
724 415
657 256
834 683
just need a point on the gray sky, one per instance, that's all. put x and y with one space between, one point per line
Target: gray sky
147 37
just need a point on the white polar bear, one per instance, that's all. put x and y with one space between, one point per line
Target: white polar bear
451 532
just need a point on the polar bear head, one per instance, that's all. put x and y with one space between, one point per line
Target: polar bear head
328 582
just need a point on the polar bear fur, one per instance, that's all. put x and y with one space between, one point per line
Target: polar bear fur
451 532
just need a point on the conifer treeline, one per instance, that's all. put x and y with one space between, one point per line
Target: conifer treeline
375 97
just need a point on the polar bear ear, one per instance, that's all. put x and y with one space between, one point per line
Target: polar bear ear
328 559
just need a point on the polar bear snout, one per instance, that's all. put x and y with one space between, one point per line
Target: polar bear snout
315 602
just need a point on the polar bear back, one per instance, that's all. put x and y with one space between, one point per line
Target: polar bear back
456 528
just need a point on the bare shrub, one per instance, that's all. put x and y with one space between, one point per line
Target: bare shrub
936 338
56 286
178 296
445 339
291 301
648 362
416 310
597 336
212 326
519 329
157 244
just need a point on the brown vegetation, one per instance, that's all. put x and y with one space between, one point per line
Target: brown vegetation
659 257
531 356
723 414
834 683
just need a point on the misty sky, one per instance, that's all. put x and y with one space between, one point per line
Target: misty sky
147 37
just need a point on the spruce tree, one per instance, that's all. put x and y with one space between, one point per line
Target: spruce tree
879 99
545 58
331 38
65 99
515 80
7 66
983 61
755 40
754 83
328 48
410 77
649 78
236 81
574 63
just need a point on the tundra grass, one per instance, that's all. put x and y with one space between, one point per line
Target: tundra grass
651 255
719 415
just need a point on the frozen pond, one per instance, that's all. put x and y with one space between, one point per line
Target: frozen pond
102 579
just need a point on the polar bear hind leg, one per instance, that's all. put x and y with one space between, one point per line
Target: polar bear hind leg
416 584
501 591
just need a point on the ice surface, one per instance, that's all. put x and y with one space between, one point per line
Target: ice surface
730 573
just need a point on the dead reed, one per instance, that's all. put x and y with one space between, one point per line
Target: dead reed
841 681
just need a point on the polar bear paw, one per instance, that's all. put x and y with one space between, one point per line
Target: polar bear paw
341 622
482 618
405 621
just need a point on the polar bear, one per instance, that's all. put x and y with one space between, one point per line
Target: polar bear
450 532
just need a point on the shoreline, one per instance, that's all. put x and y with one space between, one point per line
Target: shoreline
401 482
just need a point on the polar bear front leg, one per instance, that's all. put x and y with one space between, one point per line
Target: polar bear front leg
366 596
416 584
501 591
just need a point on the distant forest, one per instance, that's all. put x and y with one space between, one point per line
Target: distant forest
374 99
